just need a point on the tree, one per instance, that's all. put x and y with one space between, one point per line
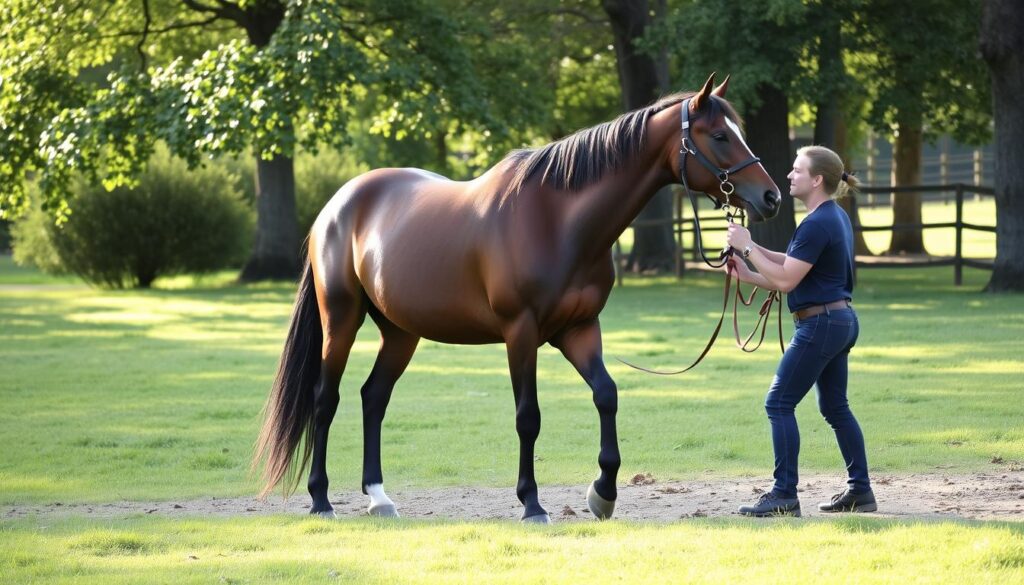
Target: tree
1002 46
829 91
760 45
643 77
273 76
926 78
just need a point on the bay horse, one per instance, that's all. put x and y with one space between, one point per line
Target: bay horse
520 255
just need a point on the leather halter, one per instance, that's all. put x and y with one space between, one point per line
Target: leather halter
687 146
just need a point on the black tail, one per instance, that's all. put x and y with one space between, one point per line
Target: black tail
288 414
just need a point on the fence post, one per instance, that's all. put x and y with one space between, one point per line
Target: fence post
958 260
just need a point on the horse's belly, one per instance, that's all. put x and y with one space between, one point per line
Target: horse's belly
433 298
448 322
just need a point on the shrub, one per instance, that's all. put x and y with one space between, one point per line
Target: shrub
32 241
174 221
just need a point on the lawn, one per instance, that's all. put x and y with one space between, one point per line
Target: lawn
113 395
142 395
305 550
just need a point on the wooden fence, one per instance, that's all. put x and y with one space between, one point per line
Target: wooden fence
715 222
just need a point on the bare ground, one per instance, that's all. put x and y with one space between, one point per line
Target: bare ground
997 495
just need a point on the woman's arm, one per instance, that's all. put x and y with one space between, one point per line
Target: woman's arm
776 257
782 276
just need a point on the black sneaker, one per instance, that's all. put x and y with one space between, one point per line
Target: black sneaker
849 502
770 504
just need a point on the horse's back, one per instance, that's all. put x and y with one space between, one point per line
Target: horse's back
412 239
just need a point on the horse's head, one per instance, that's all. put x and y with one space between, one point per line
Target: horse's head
717 160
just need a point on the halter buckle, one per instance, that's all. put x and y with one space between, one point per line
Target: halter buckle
688 146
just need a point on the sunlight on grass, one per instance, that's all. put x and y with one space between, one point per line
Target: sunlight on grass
144 550
157 394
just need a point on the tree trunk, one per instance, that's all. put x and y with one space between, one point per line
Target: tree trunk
276 253
850 202
906 207
1002 46
642 78
829 125
768 138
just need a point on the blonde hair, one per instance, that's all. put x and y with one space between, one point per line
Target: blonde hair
826 163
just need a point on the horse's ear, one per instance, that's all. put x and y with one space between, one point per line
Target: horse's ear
720 90
703 95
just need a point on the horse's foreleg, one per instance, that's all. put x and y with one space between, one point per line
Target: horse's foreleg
581 345
344 321
396 349
521 340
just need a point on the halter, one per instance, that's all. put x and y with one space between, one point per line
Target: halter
688 146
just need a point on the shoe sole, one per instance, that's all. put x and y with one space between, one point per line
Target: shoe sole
774 514
873 507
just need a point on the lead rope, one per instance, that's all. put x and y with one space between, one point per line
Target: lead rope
766 307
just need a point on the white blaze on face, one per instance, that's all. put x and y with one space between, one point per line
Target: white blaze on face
736 130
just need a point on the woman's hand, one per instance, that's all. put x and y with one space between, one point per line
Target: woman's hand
738 237
736 265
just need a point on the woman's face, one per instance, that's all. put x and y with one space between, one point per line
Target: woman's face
801 183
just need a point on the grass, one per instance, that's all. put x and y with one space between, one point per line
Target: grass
111 395
287 549
138 395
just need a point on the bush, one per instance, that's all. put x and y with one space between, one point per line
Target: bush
5 236
174 221
32 241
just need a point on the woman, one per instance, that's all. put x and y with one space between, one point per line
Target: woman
817 273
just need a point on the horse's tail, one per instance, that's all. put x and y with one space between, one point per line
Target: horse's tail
288 414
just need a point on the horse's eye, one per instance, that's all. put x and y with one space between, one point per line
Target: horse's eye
720 136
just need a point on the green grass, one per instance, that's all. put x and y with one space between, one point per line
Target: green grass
287 549
157 394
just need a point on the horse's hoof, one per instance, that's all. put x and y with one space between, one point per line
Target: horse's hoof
326 514
383 511
599 506
537 519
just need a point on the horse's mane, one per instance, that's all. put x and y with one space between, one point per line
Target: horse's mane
580 159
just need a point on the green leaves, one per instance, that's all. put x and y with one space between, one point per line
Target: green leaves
409 60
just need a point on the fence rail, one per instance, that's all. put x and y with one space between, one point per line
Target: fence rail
683 226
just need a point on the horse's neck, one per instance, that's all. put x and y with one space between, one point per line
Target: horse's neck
607 208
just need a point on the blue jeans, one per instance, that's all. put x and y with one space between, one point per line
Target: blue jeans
818 353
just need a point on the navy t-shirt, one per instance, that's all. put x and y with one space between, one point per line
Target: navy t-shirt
825 239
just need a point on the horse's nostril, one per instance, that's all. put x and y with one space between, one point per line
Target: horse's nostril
771 199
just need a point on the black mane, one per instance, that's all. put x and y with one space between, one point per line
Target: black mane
572 163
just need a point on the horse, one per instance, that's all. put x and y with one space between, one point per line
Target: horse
520 255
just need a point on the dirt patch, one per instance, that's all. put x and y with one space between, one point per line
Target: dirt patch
983 496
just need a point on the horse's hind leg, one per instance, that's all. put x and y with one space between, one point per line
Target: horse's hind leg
396 349
581 345
342 313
